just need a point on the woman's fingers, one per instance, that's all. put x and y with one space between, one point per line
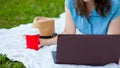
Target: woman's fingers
43 42
39 46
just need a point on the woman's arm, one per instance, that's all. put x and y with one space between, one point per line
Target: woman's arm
114 26
69 29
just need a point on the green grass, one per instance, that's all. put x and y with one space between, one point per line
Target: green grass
6 63
16 12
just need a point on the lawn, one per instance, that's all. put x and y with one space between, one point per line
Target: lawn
6 63
16 12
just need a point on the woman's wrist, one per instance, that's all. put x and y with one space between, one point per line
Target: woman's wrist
48 42
52 41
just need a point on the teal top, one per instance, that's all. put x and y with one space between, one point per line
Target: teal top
95 24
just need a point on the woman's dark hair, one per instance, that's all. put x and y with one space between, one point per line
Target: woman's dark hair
102 7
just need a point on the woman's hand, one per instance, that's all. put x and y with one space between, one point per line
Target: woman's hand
44 42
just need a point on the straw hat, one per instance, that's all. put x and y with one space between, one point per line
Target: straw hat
45 26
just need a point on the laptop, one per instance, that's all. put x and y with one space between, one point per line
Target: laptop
94 50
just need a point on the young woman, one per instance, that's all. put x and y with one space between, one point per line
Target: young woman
90 17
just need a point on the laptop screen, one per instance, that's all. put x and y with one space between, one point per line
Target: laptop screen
88 49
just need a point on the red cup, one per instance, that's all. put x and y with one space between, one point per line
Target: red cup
32 38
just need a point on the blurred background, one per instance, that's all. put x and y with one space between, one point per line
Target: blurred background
16 12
